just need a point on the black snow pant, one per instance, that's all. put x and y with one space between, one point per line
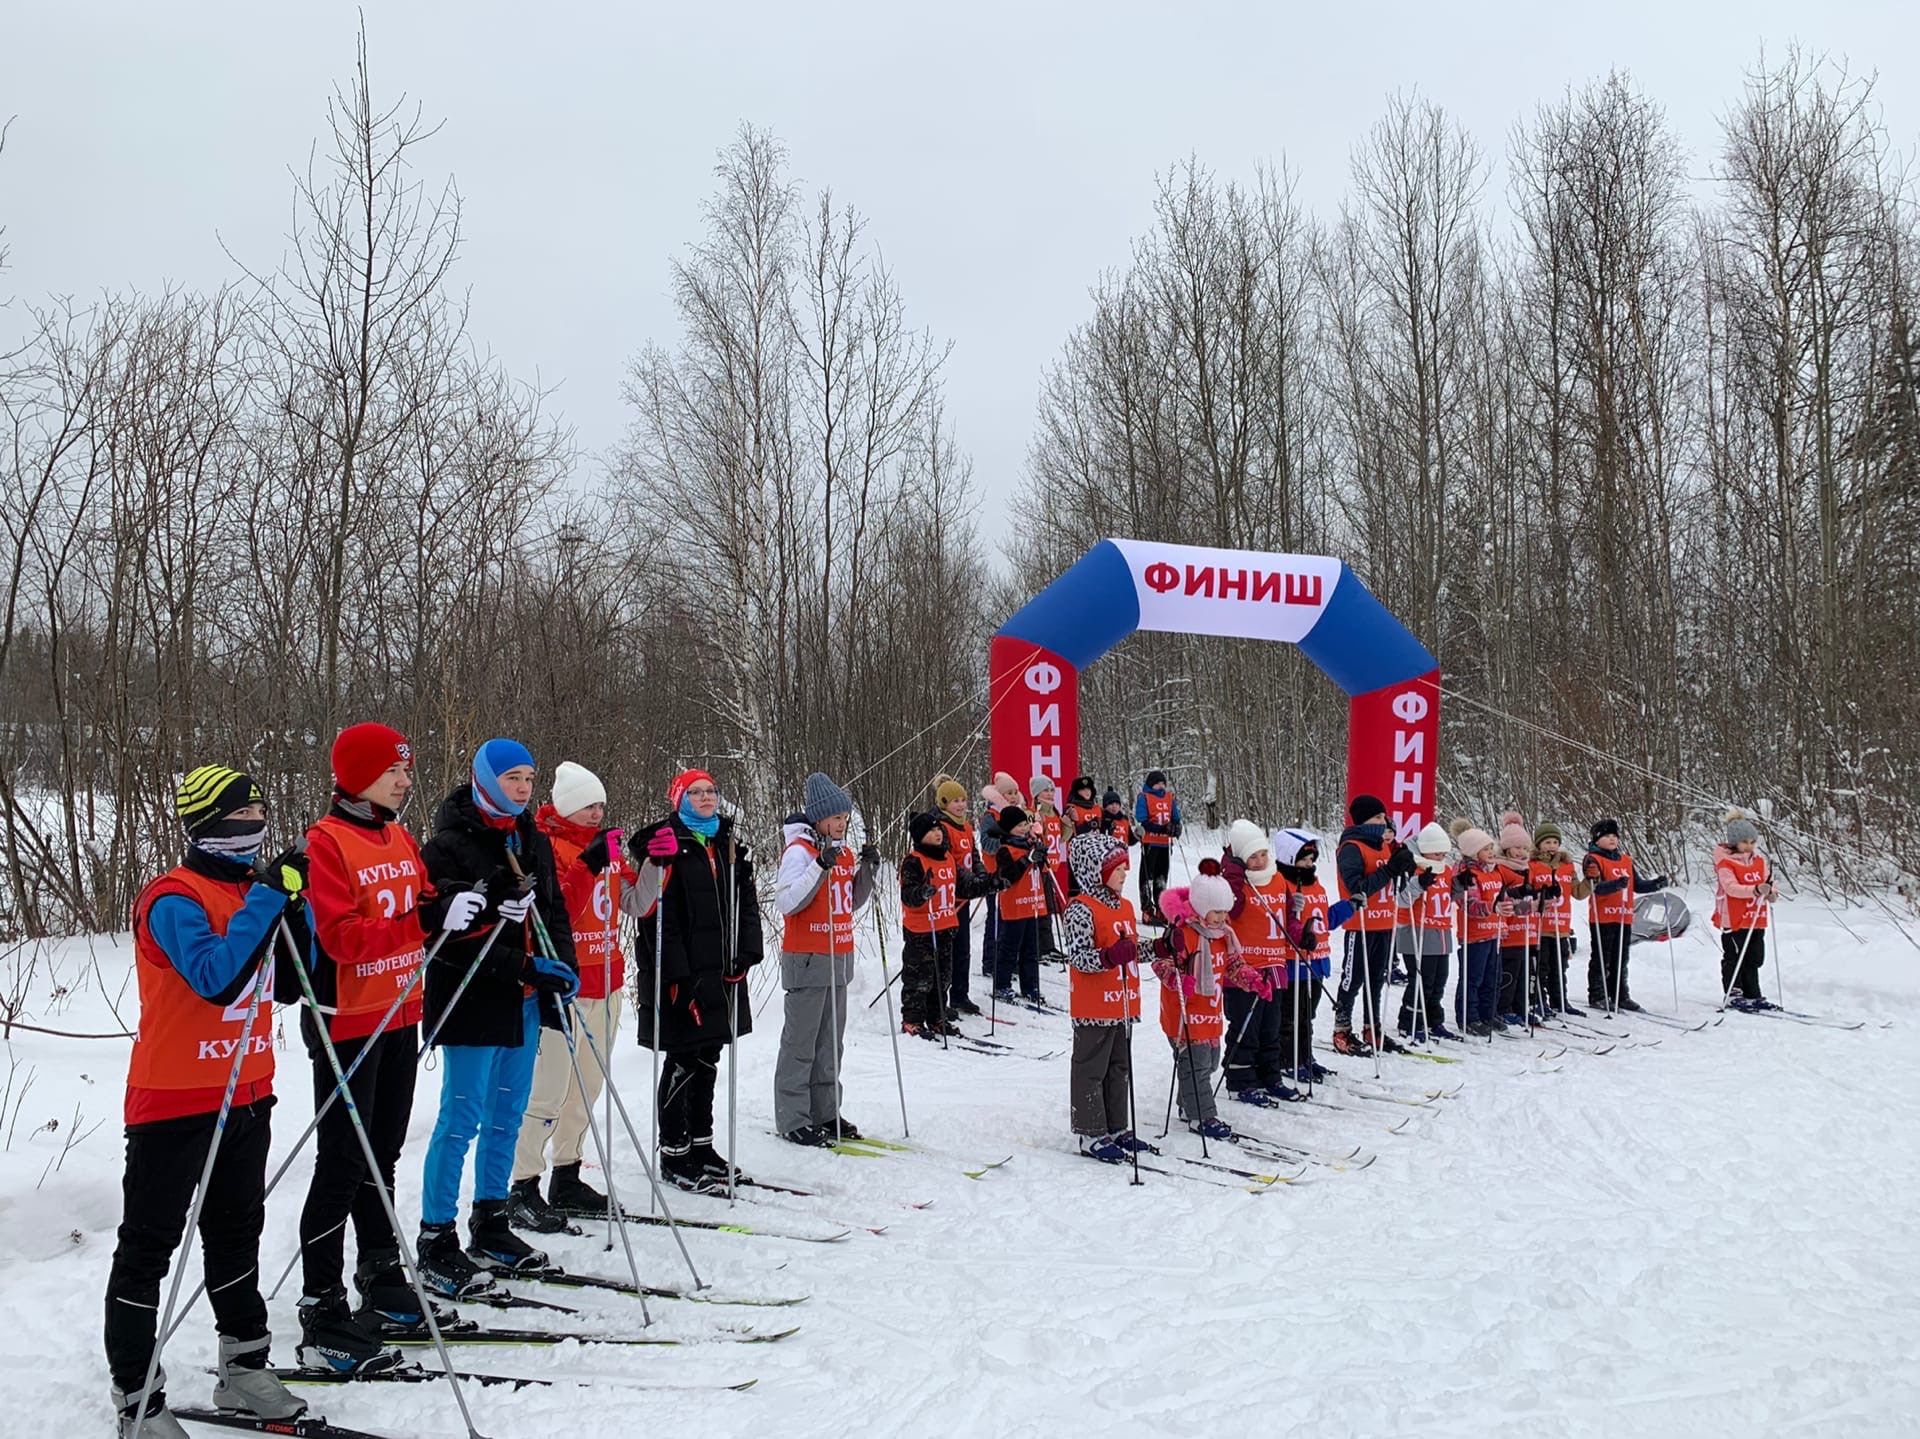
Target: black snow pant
1102 1078
1607 965
1427 983
1742 952
1156 866
164 1160
382 1090
958 985
1515 961
1256 1038
687 1080
1296 1030
1364 967
926 964
1550 968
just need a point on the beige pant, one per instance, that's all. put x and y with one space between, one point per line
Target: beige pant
555 1110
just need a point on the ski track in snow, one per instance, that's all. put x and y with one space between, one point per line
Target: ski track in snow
1708 1236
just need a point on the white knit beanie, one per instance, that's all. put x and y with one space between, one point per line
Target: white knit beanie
1433 840
575 787
1210 893
1246 839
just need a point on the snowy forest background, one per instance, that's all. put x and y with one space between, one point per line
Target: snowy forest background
1641 464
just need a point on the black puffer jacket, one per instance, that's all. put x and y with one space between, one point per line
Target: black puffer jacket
708 883
466 849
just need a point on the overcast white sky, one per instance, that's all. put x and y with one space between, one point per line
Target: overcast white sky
1005 154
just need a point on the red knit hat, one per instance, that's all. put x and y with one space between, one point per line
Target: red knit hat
684 781
1116 859
364 752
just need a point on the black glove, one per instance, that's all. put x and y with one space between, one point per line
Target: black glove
286 873
829 854
598 855
1173 830
1549 890
1309 941
870 855
1427 877
1400 863
1659 881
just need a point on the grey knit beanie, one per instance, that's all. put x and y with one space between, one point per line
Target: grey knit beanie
825 799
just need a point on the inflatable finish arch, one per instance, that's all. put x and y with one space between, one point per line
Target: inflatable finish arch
1317 603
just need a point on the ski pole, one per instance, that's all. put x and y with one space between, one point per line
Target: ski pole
379 1183
1133 1117
1193 1073
1740 964
606 1013
833 1007
893 1030
733 1018
165 1327
646 1165
569 1014
320 1021
659 940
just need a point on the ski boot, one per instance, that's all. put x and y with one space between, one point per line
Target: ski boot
248 1385
714 1165
387 1301
333 1338
1629 1004
159 1420
1284 1093
445 1269
1571 1013
1258 1098
809 1136
1345 1041
1440 1031
846 1128
962 1006
1213 1129
492 1244
568 1193
1003 994
1106 1149
527 1210
1513 1021
1385 1043
1133 1143
680 1168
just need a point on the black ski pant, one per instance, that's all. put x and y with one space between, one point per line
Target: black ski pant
1607 965
1256 1038
957 985
164 1160
925 963
687 1080
1742 952
1018 954
1515 960
1550 968
342 1189
1364 967
1296 1030
1156 866
1422 1002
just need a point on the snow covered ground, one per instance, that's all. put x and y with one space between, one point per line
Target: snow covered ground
1709 1234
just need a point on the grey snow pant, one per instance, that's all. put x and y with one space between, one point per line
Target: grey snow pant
1102 1076
1193 1066
806 1075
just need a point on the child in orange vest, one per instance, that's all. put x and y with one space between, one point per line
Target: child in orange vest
1083 805
1477 891
599 886
950 804
1520 934
1742 899
822 891
1557 944
1311 921
1157 814
201 933
1195 960
932 887
1609 869
1423 936
1019 862
1050 828
1100 928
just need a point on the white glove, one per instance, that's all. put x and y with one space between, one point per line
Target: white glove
515 910
462 910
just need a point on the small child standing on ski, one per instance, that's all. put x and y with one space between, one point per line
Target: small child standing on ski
1743 896
1099 928
1477 891
932 887
1609 869
1520 933
1423 935
1195 960
1311 921
1256 1059
1019 862
1157 813
950 804
1050 828
1555 875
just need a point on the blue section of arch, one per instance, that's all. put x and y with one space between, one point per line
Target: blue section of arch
1093 606
1360 645
1084 613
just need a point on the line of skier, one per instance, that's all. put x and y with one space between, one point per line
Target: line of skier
497 942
